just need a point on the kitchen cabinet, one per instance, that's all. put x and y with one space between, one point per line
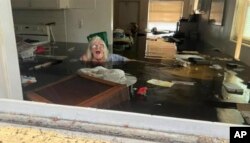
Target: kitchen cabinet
20 4
49 4
82 4
40 4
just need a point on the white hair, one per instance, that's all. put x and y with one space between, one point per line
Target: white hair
92 41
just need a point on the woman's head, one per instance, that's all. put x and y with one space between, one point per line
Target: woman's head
97 50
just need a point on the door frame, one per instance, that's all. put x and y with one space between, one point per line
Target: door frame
10 84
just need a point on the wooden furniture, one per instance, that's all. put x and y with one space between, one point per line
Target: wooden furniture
81 91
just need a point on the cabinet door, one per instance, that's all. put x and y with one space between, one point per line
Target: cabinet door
48 4
83 4
20 4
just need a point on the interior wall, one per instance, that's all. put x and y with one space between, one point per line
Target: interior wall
219 36
93 20
143 13
72 25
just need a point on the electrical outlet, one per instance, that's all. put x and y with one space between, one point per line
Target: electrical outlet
80 23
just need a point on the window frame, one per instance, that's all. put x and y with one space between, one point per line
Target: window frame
237 23
92 115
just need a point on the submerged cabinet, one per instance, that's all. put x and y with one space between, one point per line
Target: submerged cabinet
40 4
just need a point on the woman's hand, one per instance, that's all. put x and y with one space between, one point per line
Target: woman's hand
84 58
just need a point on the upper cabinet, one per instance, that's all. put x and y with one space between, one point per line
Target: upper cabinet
82 4
53 4
20 4
40 4
49 4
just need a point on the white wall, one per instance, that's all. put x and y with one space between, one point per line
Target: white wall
10 84
72 25
93 20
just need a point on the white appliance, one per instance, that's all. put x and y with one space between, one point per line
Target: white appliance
29 36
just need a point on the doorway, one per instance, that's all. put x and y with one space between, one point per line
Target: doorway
126 12
126 17
162 22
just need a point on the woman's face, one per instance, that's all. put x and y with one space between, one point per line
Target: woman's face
97 50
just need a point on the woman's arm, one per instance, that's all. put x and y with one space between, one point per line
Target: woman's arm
117 58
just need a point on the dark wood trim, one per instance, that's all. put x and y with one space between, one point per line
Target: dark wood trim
36 97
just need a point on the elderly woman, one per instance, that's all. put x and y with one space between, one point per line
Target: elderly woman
97 52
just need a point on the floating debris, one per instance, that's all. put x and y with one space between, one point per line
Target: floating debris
239 69
71 49
222 59
215 66
183 82
160 83
28 79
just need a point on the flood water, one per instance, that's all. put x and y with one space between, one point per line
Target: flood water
198 92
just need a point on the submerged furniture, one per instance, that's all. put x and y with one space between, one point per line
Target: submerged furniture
84 91
122 41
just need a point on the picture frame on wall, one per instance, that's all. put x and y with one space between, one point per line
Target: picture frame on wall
216 12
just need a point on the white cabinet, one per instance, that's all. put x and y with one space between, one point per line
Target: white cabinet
82 4
49 4
40 4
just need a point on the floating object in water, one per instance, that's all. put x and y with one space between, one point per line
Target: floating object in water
183 82
142 91
160 83
233 88
28 79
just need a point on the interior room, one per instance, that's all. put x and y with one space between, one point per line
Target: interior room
186 59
